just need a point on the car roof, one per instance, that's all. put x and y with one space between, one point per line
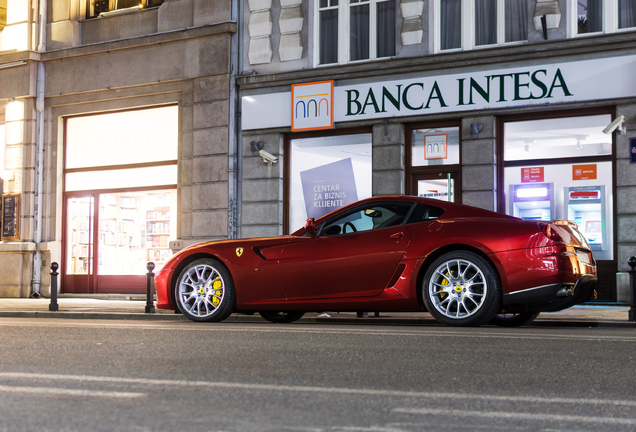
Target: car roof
451 210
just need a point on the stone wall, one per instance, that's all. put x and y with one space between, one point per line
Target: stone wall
189 68
262 187
388 159
479 163
193 72
626 200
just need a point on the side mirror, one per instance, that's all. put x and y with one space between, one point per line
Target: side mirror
310 227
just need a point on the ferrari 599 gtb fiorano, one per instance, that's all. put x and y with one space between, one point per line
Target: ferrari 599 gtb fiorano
465 266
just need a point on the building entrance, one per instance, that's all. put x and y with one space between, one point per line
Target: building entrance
110 237
440 186
120 192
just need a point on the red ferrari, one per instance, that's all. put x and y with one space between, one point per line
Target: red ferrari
465 265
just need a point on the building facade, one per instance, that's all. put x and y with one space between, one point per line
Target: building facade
129 130
117 129
498 104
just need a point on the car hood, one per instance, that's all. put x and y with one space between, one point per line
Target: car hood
267 247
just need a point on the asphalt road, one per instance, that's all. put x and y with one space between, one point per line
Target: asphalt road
165 376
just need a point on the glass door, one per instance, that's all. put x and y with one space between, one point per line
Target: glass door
440 186
433 153
80 233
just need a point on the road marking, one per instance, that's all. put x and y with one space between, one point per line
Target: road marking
517 416
69 392
310 389
253 328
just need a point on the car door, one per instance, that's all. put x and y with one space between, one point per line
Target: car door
354 255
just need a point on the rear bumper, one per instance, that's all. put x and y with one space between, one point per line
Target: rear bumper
552 297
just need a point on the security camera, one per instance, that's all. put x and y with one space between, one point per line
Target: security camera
267 157
616 124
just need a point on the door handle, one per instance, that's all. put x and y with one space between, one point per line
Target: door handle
397 235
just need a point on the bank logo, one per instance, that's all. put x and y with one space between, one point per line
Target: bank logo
312 106
435 146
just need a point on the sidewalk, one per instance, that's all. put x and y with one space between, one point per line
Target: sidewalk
132 308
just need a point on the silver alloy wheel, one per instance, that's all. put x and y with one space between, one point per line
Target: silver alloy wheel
458 288
201 290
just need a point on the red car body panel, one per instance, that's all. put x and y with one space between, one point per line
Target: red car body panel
381 269
359 264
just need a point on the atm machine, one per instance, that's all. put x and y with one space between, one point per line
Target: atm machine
532 201
586 207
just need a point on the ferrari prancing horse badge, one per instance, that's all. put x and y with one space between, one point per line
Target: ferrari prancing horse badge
239 251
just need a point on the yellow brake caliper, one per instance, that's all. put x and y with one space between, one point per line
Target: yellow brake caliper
216 285
444 282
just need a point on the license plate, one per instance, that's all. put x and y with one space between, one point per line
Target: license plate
584 257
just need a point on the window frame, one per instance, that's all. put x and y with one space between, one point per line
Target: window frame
609 20
468 27
412 173
344 10
112 7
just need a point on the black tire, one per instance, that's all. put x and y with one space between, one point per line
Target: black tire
514 319
462 280
205 291
281 317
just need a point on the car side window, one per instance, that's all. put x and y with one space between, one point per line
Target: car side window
423 213
370 217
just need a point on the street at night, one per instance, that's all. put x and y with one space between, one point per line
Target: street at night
78 375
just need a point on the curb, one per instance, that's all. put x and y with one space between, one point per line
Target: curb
257 319
93 315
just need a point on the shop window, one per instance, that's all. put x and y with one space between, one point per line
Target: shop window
133 229
483 23
550 188
327 173
15 23
122 150
120 178
603 16
436 146
355 30
557 138
96 7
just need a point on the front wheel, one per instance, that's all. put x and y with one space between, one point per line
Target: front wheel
205 291
461 288
513 319
281 317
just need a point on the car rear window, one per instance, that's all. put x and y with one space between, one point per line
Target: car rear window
423 213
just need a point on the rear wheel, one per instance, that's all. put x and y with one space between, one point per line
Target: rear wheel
282 317
461 288
205 291
513 319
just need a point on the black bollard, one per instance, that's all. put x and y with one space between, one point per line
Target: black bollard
150 284
632 288
53 306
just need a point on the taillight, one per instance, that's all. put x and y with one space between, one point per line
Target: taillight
550 233
567 223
